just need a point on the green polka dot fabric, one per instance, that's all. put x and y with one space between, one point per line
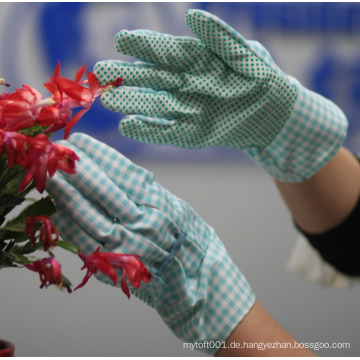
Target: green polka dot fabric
110 202
220 90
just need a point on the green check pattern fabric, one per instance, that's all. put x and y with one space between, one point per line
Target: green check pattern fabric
110 202
220 89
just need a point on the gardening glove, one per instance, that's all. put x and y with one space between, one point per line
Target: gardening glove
112 203
220 89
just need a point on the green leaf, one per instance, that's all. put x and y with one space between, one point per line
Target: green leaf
12 186
6 263
21 259
28 248
10 201
44 206
68 246
66 283
18 258
8 247
16 225
17 236
34 130
10 179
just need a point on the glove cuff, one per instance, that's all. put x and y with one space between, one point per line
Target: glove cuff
312 135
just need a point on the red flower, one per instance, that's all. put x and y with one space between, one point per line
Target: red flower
47 231
52 85
80 95
84 96
21 109
25 107
49 271
46 157
69 94
56 116
14 145
131 266
3 96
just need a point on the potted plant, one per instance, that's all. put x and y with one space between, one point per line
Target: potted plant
27 157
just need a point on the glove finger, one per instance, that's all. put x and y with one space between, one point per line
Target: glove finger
159 49
79 221
226 42
119 239
154 131
151 131
130 100
138 74
71 231
128 177
149 253
218 36
265 56
83 213
138 183
92 188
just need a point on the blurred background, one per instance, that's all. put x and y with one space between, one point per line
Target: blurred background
318 43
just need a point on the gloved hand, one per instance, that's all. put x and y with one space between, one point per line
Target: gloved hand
110 202
220 90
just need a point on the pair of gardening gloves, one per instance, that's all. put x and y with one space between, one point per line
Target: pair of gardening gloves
215 89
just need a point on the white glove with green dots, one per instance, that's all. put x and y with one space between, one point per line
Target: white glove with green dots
220 89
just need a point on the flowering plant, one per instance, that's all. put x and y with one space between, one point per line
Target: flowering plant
27 156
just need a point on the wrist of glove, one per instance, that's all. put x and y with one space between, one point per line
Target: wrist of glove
112 203
220 89
312 135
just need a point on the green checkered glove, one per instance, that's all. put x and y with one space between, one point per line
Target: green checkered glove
110 202
220 89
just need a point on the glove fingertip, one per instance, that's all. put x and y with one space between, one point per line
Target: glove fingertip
193 13
134 128
78 137
124 37
150 131
74 140
121 35
203 23
196 18
130 122
109 101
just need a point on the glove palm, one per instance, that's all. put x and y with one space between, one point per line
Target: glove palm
191 98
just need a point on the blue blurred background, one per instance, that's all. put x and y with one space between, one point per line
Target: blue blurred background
318 43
